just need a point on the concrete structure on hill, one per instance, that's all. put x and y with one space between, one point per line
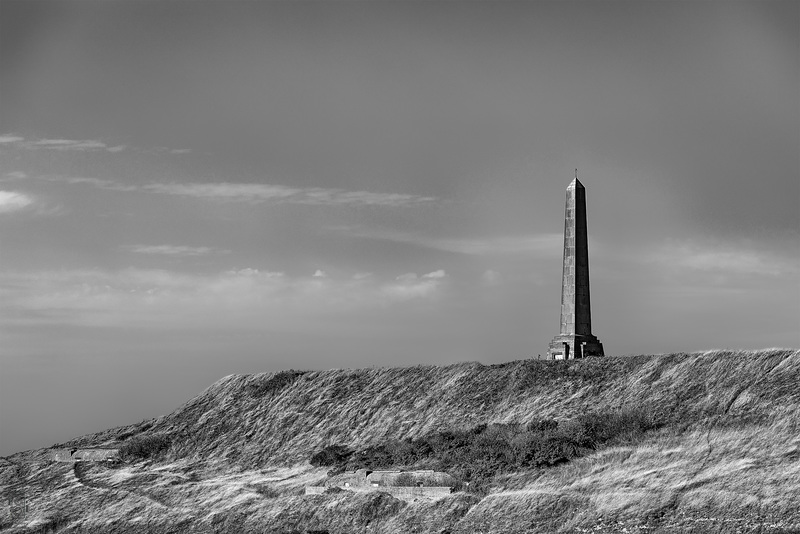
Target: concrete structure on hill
85 455
406 485
576 339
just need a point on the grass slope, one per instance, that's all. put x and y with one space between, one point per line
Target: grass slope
728 462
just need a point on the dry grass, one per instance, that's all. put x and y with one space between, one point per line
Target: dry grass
366 406
729 462
751 474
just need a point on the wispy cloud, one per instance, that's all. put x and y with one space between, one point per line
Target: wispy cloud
249 192
95 182
541 244
722 259
167 299
259 193
14 175
82 145
537 244
68 144
175 250
18 202
226 191
16 141
365 198
409 286
11 201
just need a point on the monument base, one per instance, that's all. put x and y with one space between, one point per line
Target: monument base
574 346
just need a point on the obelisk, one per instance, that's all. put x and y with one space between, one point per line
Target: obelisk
576 339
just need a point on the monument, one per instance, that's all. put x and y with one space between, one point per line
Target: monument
576 339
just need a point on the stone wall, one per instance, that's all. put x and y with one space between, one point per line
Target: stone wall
429 493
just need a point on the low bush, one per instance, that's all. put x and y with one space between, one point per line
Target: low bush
142 447
331 455
475 455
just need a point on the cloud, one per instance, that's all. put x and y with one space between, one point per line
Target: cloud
15 175
411 289
240 298
251 193
724 259
363 198
540 244
11 201
226 191
543 245
409 277
320 274
362 276
409 286
96 182
255 272
68 144
72 144
175 250
259 193
4 139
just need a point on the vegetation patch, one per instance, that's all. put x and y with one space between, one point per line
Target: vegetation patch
331 456
143 447
272 385
479 453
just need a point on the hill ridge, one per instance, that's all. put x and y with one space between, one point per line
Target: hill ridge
359 406
726 460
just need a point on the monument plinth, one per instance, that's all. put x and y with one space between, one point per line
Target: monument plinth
576 339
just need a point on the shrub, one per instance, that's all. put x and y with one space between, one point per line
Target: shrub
545 450
541 426
477 454
142 447
332 455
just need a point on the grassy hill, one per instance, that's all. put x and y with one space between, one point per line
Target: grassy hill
724 458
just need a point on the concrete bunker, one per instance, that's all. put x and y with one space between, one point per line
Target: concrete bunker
95 454
412 485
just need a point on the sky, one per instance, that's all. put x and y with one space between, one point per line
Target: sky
194 189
